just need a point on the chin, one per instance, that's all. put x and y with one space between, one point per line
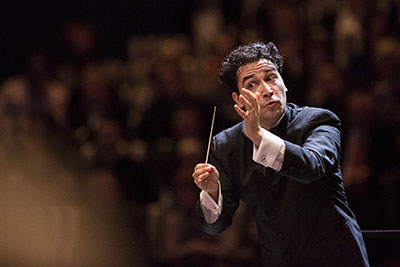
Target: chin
273 115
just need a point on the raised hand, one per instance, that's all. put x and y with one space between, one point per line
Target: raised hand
248 108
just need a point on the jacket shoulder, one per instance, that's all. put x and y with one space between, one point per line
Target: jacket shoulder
229 135
316 115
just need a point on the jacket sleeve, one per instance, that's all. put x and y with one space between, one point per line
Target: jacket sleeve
229 192
317 151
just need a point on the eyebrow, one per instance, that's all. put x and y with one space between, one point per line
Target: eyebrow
252 75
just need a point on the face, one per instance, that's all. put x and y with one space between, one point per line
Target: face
262 77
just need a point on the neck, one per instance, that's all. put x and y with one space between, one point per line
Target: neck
272 123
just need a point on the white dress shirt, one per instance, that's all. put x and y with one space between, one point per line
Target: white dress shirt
270 154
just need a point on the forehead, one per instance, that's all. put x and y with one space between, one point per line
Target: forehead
254 67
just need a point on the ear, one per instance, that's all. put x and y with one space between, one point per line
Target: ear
235 98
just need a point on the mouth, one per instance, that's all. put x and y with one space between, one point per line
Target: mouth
271 103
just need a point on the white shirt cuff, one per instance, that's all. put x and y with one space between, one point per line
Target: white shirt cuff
211 210
271 151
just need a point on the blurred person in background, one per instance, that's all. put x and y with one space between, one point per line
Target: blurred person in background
327 87
111 230
357 156
80 47
283 161
385 129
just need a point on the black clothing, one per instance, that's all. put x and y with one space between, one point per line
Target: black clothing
301 212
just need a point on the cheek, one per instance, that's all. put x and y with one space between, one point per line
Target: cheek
277 92
282 91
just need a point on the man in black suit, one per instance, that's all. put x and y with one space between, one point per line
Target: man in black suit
282 161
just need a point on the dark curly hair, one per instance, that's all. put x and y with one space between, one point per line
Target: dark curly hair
243 55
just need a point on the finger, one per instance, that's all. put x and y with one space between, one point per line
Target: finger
196 174
240 111
250 96
202 177
199 174
211 169
246 103
200 166
200 184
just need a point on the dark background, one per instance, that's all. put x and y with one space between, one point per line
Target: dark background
24 23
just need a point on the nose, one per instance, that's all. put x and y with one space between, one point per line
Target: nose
266 90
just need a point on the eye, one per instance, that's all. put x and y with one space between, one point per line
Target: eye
251 85
271 78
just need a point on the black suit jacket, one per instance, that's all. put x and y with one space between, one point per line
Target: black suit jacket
301 212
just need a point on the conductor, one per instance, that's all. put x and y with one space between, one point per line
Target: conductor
283 162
